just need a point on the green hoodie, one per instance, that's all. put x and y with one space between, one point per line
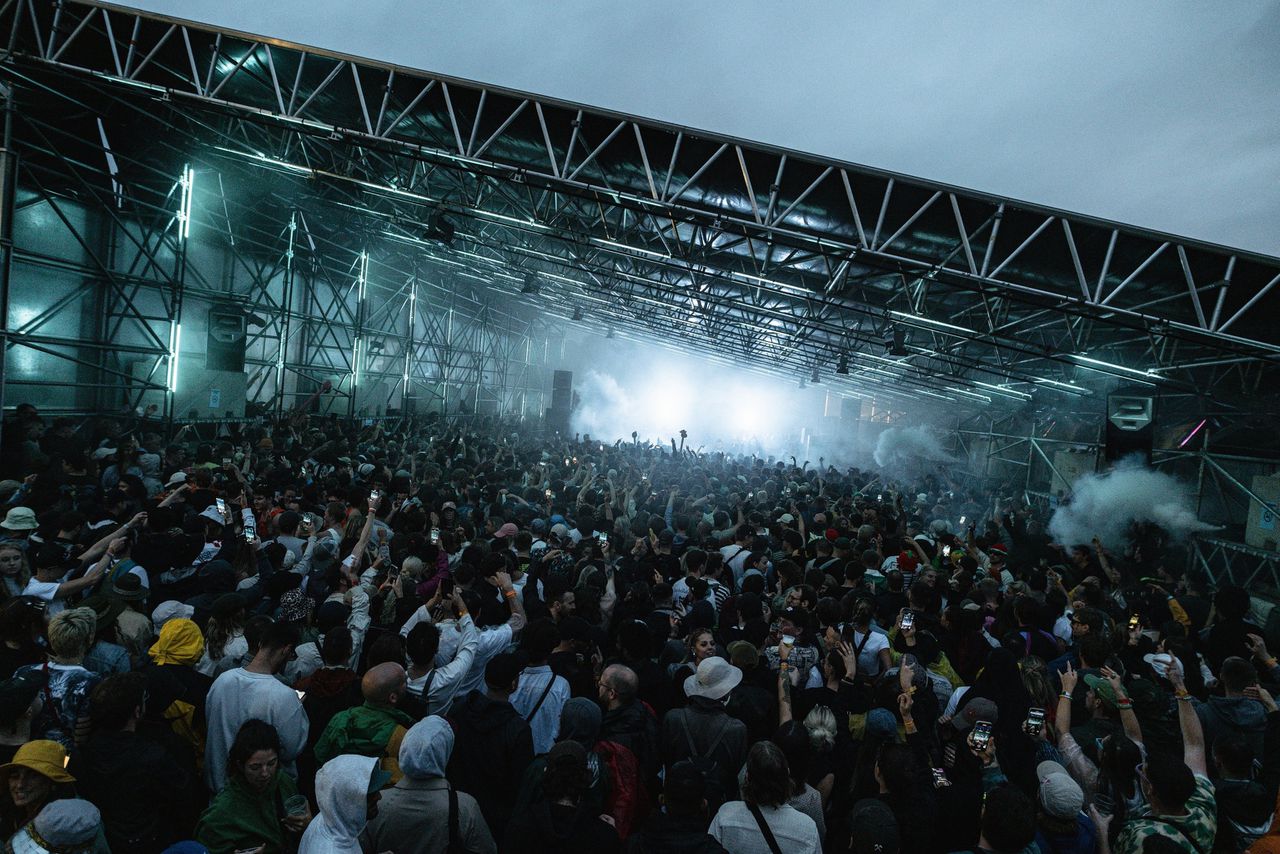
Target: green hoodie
367 730
239 817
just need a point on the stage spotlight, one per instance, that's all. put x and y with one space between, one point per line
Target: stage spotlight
530 285
813 376
577 313
842 366
609 334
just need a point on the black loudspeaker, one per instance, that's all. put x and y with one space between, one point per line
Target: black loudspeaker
224 349
561 401
1131 426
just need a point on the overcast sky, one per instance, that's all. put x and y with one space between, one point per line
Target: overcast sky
1161 114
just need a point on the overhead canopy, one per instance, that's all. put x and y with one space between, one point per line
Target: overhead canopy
784 261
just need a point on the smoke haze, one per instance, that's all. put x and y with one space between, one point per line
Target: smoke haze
1104 505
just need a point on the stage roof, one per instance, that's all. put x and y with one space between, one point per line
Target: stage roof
888 286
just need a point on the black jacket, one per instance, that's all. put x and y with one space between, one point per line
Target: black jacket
492 748
542 828
144 795
635 728
705 721
665 834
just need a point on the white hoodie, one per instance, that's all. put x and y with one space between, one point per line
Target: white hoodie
342 788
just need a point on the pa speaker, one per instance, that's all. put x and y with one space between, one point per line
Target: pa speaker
1131 420
225 345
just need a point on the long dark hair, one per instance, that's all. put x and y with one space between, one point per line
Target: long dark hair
254 735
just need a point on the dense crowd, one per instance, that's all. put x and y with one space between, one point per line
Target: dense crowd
322 636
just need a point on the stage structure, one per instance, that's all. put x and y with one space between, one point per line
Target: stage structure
422 243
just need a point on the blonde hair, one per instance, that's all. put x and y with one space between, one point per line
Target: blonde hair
24 569
821 724
71 634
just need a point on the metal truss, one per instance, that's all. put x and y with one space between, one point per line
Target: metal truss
1224 562
783 261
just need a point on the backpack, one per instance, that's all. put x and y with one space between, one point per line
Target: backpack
706 766
624 801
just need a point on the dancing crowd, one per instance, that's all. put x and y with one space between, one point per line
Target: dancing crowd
425 635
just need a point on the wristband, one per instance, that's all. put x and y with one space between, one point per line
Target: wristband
782 665
510 594
909 725
1270 662
1124 704
1066 694
1185 697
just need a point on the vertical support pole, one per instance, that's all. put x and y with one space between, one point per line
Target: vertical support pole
181 235
410 343
357 335
8 185
286 314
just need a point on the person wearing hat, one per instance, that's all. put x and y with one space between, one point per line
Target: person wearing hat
36 776
703 730
1062 826
177 692
20 701
245 814
348 789
65 826
423 812
133 626
18 525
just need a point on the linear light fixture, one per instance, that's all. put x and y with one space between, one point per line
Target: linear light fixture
188 183
1094 364
175 349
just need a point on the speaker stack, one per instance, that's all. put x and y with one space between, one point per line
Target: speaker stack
1131 420
561 402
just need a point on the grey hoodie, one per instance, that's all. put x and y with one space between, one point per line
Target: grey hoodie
342 788
426 748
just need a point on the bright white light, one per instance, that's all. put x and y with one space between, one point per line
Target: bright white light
187 184
175 348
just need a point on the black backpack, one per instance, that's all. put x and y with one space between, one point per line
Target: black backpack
708 767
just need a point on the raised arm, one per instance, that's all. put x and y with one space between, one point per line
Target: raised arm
518 618
100 547
94 575
1193 752
784 683
365 533
1128 719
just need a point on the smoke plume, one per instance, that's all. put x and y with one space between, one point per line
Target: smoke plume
908 448
1105 505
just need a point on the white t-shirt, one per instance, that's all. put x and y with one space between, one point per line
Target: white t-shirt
869 657
1062 628
46 590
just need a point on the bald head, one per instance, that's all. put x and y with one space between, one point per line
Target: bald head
623 681
385 683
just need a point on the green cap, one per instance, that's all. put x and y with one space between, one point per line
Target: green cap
1103 689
